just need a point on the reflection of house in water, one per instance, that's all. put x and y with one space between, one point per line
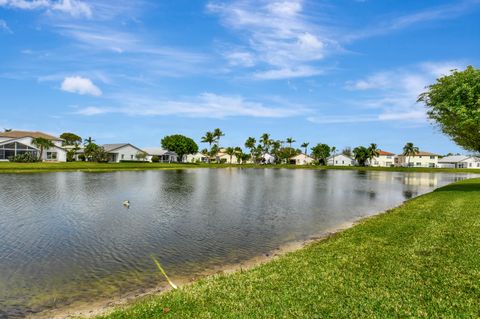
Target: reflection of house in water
421 180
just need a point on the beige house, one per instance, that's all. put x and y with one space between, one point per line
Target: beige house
302 159
223 157
195 158
421 159
384 159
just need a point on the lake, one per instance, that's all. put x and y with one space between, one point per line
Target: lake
66 237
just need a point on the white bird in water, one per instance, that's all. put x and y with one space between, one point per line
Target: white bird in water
126 203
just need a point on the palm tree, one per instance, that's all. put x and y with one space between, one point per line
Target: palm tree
265 140
333 150
210 139
217 134
88 141
305 145
250 144
290 141
410 150
361 155
230 151
373 152
42 143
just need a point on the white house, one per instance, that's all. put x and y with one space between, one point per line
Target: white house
421 159
302 159
195 158
384 159
164 156
18 142
267 159
459 161
340 160
121 152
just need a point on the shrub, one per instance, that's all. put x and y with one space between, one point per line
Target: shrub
155 159
81 157
23 158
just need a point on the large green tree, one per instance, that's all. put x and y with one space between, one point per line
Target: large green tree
71 139
179 144
320 153
42 144
453 102
361 155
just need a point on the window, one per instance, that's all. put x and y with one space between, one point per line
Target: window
478 164
431 164
51 155
131 156
432 157
420 156
419 164
470 164
389 157
123 156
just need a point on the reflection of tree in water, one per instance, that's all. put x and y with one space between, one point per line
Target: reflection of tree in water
408 193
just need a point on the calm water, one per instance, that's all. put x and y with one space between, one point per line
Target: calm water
66 237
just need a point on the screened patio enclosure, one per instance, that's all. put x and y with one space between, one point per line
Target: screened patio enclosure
15 148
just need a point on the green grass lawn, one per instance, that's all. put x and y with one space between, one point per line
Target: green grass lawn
420 260
8 167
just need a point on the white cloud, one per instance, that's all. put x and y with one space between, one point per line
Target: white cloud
395 94
206 105
441 12
75 8
278 35
4 26
80 85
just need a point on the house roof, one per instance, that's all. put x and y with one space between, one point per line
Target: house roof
20 134
301 155
453 159
113 147
421 153
157 151
385 153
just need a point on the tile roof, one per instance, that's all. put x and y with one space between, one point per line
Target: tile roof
20 134
385 153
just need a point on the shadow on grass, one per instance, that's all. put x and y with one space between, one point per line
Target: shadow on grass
467 186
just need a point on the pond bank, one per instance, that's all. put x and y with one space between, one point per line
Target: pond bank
417 260
17 168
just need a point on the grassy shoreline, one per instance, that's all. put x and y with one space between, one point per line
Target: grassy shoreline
12 168
417 260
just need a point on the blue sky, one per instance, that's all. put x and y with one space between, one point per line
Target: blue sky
345 73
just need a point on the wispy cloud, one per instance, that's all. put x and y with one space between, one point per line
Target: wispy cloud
80 85
441 12
75 8
278 37
4 26
392 95
206 105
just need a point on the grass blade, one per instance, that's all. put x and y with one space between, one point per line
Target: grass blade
163 272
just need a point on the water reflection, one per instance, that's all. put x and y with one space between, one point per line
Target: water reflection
66 236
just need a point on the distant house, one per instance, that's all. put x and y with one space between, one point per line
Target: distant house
267 159
340 160
121 152
164 156
223 157
459 161
19 142
195 158
301 159
421 159
384 159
